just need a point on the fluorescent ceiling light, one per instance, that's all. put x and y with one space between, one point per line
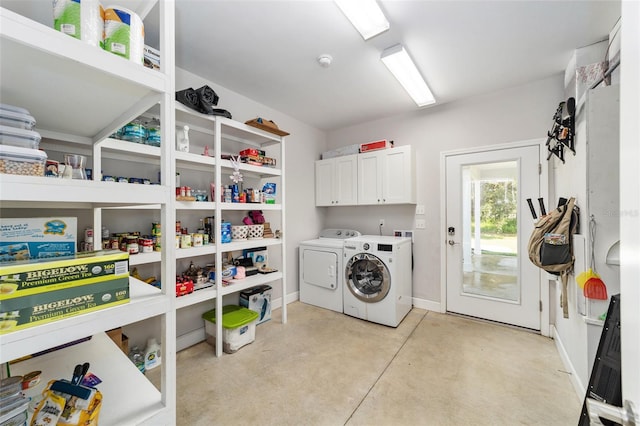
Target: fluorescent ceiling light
365 15
404 70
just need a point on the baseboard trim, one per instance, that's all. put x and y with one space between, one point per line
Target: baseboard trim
189 339
564 356
429 305
291 297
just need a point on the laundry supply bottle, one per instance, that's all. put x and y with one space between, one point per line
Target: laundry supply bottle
152 355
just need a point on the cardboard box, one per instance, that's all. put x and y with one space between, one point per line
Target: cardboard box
373 146
258 299
23 312
37 238
24 278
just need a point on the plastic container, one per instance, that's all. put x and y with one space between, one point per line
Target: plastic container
136 355
13 108
134 131
10 388
14 411
16 119
238 327
16 160
153 132
152 358
19 137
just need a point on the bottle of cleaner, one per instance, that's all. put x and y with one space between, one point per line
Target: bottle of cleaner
152 355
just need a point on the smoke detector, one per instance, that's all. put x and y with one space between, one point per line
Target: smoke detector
325 60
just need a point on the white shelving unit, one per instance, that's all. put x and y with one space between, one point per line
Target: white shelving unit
222 133
79 95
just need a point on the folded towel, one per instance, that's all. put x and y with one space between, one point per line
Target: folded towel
189 98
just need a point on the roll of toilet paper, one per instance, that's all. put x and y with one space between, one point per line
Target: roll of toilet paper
124 34
82 19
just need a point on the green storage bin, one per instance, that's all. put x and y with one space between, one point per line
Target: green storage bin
239 327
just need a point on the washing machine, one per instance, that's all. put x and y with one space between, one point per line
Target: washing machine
377 278
321 268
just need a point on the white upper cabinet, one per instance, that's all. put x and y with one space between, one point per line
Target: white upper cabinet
387 176
337 181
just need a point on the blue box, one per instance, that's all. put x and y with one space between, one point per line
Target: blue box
258 299
37 238
226 232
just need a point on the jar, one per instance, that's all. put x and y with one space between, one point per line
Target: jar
132 244
197 240
114 243
178 227
156 229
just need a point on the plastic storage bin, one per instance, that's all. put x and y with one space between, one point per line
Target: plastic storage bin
19 137
16 119
238 327
16 160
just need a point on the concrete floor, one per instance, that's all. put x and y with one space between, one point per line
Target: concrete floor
326 368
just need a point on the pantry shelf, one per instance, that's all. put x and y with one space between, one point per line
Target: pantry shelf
195 205
242 245
145 258
145 301
195 251
239 285
133 403
197 296
250 206
34 55
77 193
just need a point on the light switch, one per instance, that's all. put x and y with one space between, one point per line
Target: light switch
420 209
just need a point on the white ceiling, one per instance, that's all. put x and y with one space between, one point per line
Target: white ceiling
267 49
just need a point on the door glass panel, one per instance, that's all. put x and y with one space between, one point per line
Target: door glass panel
489 234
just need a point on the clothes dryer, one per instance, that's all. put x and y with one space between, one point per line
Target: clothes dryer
377 278
321 268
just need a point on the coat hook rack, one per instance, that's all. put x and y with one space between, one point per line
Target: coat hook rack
562 133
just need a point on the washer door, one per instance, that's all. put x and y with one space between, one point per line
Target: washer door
367 277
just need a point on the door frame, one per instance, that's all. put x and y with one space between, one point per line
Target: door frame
545 314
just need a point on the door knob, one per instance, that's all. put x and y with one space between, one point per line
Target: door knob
625 415
451 243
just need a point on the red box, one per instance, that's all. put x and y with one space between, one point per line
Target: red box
252 152
372 146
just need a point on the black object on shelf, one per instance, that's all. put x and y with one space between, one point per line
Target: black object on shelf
563 131
605 383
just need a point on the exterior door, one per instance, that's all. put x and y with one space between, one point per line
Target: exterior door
488 272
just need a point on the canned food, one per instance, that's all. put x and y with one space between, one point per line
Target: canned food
147 245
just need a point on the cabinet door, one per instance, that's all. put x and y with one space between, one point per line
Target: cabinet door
369 171
398 175
346 184
325 182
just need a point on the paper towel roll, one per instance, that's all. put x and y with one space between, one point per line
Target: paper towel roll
124 33
83 19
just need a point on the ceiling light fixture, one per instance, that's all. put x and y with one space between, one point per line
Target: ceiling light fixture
405 71
365 15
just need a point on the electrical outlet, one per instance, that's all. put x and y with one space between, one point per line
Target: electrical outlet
420 224
381 222
420 209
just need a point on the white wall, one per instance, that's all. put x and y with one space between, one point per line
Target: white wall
514 114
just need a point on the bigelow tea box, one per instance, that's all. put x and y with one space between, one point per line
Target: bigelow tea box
28 311
24 278
37 238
